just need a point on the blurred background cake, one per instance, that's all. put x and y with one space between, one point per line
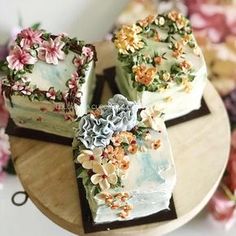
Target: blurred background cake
48 80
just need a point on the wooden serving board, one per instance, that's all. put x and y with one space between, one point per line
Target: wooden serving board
200 148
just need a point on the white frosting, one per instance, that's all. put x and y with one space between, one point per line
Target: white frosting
150 181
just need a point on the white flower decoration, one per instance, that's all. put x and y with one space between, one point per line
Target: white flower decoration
88 158
151 116
104 175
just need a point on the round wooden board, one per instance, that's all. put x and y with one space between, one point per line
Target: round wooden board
200 149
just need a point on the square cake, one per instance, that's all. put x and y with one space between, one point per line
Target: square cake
48 81
159 62
123 155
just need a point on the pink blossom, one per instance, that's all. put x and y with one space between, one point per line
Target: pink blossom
222 209
26 91
51 51
30 37
51 94
73 82
87 52
79 61
3 112
18 86
18 58
4 148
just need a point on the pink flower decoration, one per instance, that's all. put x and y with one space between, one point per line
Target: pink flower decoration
58 108
4 148
79 61
87 52
26 91
18 58
18 86
30 37
73 82
51 94
3 112
222 209
51 51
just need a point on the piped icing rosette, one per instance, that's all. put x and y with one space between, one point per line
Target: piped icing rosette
160 62
49 76
111 143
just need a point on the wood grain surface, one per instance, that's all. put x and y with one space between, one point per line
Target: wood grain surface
200 149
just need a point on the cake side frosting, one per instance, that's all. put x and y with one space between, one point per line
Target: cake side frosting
53 72
160 62
124 159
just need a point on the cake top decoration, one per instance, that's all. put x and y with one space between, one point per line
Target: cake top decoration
158 51
33 46
105 140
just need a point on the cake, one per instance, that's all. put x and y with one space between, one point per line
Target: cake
159 62
124 159
48 81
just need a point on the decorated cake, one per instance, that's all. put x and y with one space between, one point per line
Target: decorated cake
48 81
123 156
159 62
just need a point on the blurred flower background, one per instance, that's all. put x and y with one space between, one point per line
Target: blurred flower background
214 25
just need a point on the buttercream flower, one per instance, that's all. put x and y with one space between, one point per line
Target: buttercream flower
51 94
30 37
18 58
106 197
104 175
127 39
147 21
79 61
18 86
90 157
151 117
185 65
88 53
51 51
144 75
177 50
120 113
123 137
94 132
73 82
156 144
27 90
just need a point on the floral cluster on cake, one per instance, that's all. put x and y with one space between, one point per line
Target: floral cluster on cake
149 71
104 142
33 45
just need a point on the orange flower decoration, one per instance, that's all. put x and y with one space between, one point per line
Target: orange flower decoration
185 65
127 39
178 18
147 21
156 144
178 50
144 75
158 60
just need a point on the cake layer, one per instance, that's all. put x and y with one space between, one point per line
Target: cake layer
159 62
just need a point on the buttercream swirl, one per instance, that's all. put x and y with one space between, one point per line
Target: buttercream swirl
119 115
